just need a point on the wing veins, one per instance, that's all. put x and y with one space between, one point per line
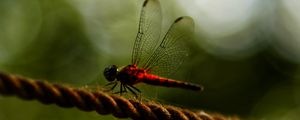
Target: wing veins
150 14
170 47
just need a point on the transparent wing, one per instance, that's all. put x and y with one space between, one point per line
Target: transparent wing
172 50
148 32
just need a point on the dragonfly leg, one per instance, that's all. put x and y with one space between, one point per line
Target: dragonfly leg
124 87
121 89
111 83
132 91
140 93
114 86
135 88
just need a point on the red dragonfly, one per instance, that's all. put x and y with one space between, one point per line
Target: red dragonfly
152 56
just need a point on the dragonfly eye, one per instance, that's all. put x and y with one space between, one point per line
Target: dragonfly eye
110 72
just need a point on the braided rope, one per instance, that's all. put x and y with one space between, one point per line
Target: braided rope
99 101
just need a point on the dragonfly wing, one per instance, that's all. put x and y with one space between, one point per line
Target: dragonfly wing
148 32
172 50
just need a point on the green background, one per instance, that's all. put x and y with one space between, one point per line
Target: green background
71 42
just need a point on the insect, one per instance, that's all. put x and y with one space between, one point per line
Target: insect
152 56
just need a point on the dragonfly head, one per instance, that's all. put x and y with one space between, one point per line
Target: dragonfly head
110 72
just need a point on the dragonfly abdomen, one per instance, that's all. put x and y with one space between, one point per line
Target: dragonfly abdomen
155 80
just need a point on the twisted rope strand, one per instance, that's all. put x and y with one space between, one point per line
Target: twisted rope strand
99 101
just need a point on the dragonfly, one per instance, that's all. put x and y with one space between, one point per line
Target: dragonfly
153 57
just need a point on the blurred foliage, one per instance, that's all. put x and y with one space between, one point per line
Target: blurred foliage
244 53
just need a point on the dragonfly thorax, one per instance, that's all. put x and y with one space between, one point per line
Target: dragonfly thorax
131 74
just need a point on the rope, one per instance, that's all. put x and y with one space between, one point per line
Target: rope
103 103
